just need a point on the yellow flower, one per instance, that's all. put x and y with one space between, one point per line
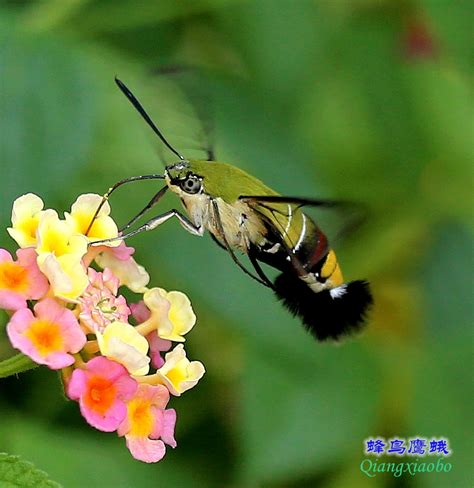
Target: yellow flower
171 313
60 251
26 213
129 273
82 212
58 237
179 374
66 274
122 343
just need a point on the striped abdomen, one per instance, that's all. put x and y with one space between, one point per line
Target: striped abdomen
311 285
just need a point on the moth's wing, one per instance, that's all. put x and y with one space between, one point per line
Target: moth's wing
196 88
283 217
345 216
298 201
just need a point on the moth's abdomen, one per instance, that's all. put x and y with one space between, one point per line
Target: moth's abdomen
329 314
329 271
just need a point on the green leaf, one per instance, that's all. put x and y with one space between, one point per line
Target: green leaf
14 472
16 364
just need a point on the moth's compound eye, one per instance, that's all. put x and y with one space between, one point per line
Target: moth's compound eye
192 184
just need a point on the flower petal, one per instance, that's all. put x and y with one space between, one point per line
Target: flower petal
145 449
169 422
26 213
122 343
48 336
102 388
66 274
20 280
171 312
128 272
82 213
179 374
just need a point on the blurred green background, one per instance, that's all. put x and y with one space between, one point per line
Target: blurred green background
365 100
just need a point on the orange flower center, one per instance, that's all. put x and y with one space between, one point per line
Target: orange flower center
140 417
100 395
45 336
13 277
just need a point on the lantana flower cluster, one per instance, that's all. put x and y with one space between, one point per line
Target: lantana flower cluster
66 312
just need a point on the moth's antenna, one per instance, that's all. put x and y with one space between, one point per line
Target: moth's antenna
147 118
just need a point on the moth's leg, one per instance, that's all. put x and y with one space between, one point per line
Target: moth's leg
156 198
220 228
259 270
291 256
155 222
117 185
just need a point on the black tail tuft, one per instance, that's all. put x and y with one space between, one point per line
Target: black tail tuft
328 314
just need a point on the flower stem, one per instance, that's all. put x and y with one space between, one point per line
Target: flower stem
16 364
79 363
91 347
151 379
146 327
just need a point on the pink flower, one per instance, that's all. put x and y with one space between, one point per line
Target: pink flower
128 271
102 388
140 312
47 336
20 280
99 305
122 252
104 280
157 346
148 426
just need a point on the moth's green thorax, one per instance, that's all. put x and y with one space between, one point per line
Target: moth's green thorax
220 180
227 183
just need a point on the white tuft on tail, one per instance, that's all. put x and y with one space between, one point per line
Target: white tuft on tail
338 292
